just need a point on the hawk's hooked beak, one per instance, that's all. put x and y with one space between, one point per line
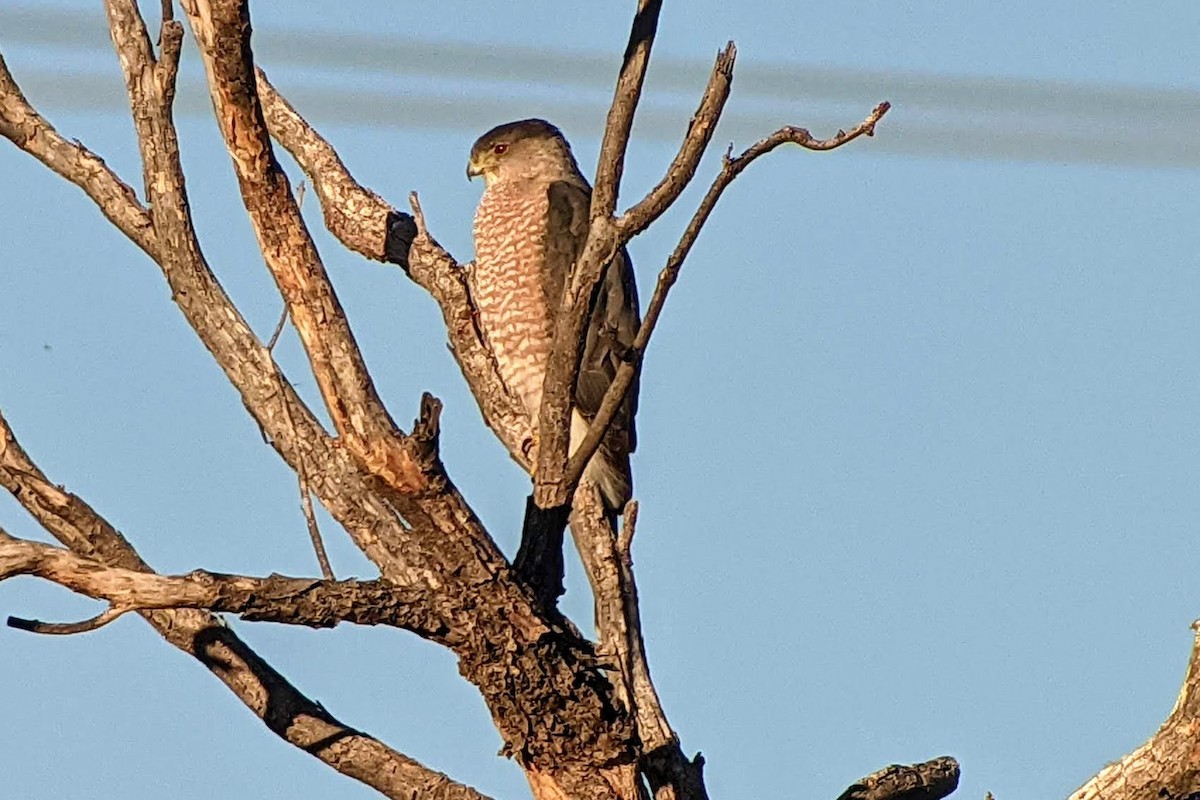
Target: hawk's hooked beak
473 170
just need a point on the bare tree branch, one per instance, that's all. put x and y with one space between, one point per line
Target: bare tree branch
931 780
310 522
656 732
732 167
292 716
535 674
293 430
1168 764
67 628
551 487
306 504
357 216
222 32
626 95
286 422
25 128
683 168
292 601
368 225
596 543
556 475
608 561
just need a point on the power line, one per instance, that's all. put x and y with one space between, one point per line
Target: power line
403 56
981 118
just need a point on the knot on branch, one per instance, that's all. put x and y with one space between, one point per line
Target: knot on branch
427 429
400 230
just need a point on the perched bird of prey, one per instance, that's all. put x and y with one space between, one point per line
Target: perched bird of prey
530 227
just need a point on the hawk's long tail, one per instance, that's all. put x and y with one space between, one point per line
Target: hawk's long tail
609 472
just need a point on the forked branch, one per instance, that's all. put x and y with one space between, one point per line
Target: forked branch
551 489
22 125
695 142
556 475
293 601
291 715
414 534
365 223
732 167
222 32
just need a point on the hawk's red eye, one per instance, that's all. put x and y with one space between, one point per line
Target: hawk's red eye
500 149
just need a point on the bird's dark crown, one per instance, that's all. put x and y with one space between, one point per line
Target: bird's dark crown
516 131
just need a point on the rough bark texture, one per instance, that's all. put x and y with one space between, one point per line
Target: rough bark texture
1167 766
368 225
276 598
295 718
928 781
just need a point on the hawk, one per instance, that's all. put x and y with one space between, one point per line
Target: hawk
530 227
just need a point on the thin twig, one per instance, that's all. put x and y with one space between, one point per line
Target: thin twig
314 532
414 202
283 315
683 167
274 340
310 519
306 506
731 168
68 628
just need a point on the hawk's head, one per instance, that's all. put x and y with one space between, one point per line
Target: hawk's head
526 149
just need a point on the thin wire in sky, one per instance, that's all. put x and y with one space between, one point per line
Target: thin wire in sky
935 115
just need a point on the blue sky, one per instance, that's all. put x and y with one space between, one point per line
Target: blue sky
918 454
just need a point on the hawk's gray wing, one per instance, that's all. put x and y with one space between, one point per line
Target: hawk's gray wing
611 328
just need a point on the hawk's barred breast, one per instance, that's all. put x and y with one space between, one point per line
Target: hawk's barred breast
510 236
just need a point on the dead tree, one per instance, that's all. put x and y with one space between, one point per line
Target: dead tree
580 717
